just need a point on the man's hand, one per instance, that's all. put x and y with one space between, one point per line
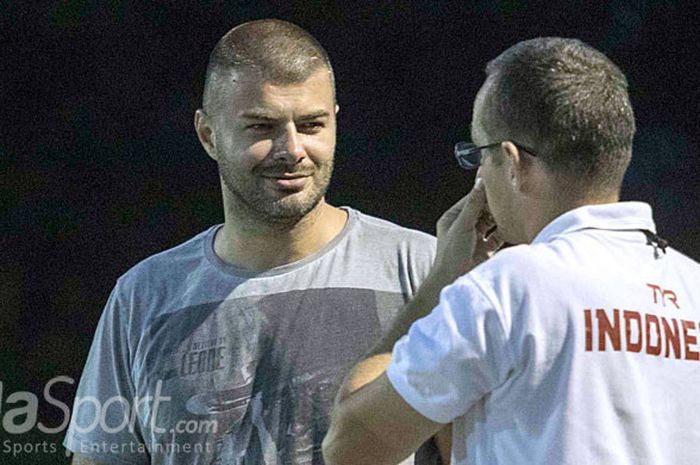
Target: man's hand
466 236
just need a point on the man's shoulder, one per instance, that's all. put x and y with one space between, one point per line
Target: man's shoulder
388 231
683 260
517 257
682 270
519 266
564 262
168 263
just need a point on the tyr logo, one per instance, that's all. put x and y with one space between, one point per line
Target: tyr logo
666 295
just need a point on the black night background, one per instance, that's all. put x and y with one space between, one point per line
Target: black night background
100 166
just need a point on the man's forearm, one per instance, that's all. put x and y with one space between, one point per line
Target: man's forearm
367 396
378 358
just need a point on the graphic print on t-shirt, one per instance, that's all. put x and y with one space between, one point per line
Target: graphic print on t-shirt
264 370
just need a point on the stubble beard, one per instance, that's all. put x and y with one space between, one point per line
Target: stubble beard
253 199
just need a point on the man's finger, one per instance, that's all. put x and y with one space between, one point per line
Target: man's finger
474 206
469 208
451 215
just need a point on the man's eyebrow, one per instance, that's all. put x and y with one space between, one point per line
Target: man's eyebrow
258 114
268 116
314 115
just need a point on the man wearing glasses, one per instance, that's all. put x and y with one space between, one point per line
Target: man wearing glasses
578 346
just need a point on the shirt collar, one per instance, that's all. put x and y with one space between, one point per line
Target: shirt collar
610 216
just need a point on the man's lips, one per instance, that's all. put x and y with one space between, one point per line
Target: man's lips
286 175
295 181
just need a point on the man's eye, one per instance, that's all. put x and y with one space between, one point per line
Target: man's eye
311 126
259 127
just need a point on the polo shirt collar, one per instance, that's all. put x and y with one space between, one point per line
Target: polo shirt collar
610 216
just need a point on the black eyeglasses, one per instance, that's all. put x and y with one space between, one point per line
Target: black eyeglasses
469 155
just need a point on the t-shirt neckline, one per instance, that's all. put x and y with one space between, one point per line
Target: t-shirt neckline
240 272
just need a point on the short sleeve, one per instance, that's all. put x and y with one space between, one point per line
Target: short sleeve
453 357
104 425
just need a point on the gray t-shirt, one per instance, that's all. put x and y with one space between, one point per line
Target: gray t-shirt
197 362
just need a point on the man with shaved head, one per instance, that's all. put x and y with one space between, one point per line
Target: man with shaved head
230 348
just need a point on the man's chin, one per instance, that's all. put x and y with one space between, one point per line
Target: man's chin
290 209
278 207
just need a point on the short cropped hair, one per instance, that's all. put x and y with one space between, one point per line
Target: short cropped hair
569 102
277 51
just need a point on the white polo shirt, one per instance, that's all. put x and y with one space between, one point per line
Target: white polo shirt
580 348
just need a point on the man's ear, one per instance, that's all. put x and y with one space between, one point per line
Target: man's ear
205 132
518 167
337 108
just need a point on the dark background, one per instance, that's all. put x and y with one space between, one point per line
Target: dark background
100 166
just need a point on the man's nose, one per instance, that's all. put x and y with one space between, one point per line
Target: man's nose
291 147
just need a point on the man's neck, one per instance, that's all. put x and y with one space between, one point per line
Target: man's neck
259 246
538 218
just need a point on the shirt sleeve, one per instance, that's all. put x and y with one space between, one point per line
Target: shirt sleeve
104 424
453 357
